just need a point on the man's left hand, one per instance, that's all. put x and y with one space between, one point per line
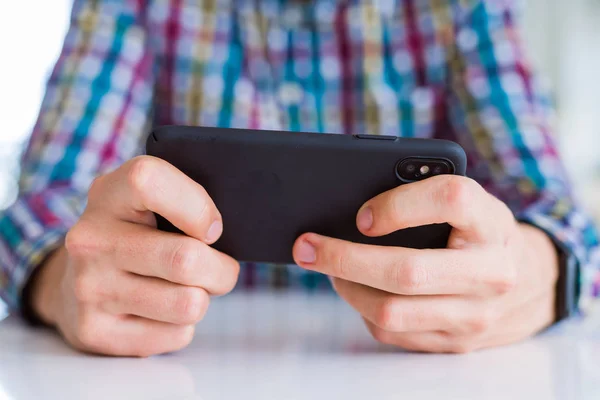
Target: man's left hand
494 284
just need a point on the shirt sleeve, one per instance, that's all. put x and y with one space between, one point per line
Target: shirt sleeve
503 120
92 118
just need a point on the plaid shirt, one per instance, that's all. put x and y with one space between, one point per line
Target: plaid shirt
450 69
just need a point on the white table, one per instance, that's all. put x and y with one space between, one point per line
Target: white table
300 347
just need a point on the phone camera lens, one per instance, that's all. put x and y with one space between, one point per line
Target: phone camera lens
416 169
442 168
410 170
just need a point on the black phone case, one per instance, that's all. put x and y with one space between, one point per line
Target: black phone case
271 186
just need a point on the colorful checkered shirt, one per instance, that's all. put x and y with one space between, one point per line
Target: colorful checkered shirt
449 69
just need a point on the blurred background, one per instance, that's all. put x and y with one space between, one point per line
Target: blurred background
31 35
562 37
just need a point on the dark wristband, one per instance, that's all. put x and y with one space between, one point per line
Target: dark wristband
567 285
27 311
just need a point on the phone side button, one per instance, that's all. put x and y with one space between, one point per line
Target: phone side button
376 137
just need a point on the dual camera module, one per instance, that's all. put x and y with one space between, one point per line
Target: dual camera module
416 169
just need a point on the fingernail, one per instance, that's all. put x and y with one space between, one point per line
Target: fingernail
364 220
214 232
306 253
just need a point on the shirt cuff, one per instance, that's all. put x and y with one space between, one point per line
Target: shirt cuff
30 230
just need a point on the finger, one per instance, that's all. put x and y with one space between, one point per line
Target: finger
129 336
147 184
402 270
511 328
175 258
523 321
157 300
456 200
423 342
394 313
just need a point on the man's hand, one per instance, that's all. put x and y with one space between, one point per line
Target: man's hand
493 285
121 287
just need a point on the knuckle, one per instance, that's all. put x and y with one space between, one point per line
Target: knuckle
385 317
184 261
141 170
191 305
79 240
457 192
482 322
411 277
84 286
506 282
87 332
84 240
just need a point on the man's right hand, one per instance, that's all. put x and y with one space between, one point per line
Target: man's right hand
121 287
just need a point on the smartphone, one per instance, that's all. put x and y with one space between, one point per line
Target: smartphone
272 186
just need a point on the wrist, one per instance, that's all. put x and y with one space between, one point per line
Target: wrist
541 251
543 257
45 287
